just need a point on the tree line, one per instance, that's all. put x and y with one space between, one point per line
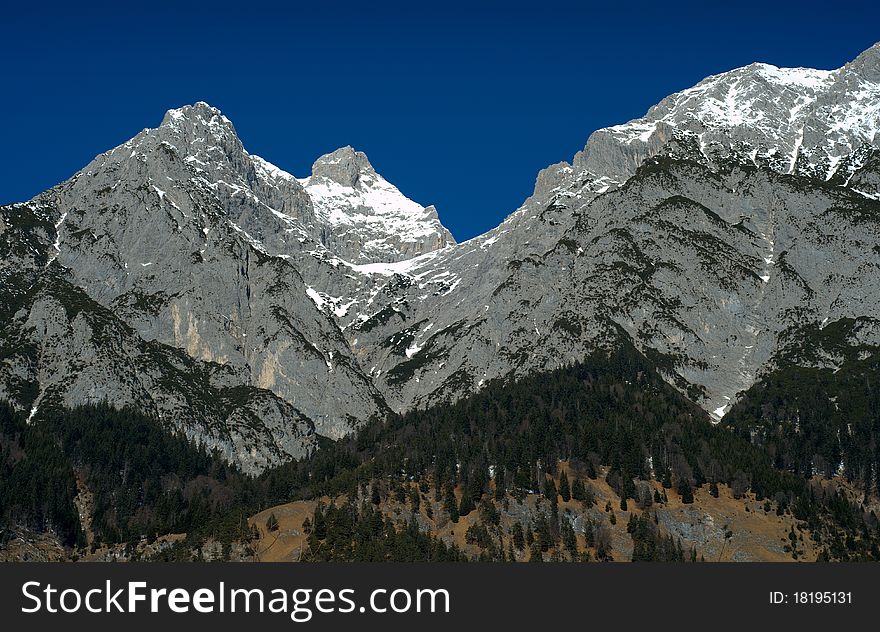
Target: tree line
611 410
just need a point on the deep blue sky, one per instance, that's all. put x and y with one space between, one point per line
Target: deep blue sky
459 105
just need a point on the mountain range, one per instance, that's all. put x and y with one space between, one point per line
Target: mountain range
254 311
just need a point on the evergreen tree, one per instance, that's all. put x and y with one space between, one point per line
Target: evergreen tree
319 529
535 553
564 490
685 490
550 492
400 493
518 536
477 484
699 479
569 540
499 483
489 513
467 502
590 533
542 533
629 486
631 525
589 495
577 489
449 503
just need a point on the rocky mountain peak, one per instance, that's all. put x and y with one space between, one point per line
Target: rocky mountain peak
202 131
197 114
867 65
344 166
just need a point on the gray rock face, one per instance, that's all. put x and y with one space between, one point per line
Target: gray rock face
156 233
61 348
250 309
174 249
343 166
731 215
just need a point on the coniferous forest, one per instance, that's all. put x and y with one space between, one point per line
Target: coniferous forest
612 412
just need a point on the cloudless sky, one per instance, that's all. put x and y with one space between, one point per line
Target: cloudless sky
458 104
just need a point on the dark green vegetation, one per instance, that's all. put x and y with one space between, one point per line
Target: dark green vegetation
650 546
347 532
813 421
145 481
37 483
612 410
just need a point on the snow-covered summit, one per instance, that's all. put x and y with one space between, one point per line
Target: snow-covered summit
791 119
366 216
